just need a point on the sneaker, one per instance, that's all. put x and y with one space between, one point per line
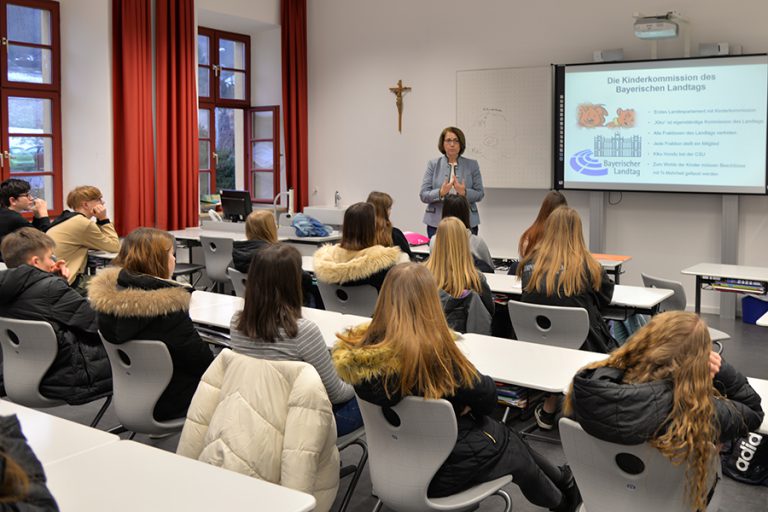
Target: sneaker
571 494
545 420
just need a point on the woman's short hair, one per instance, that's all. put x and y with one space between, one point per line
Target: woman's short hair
457 206
260 225
359 229
459 135
145 251
273 296
79 195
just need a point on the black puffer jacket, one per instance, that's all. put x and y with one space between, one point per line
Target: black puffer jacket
80 373
14 445
599 338
623 413
137 306
481 442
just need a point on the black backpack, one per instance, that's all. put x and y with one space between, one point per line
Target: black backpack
747 460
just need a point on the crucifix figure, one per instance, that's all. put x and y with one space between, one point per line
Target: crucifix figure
398 91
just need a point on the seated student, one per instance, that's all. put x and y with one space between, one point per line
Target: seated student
387 234
531 236
35 288
457 278
22 478
408 350
357 260
559 271
457 206
138 301
15 198
75 234
666 386
271 327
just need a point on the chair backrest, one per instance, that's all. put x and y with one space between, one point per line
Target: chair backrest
677 301
549 325
351 300
217 254
238 281
141 370
635 478
403 458
29 349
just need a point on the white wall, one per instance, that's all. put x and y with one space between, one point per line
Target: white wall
86 96
357 50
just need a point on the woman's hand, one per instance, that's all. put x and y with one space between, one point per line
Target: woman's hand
460 187
446 187
714 363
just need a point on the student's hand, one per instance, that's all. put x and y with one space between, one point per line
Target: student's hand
714 363
446 188
40 208
100 212
460 187
60 268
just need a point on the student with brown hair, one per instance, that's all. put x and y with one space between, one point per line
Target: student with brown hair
35 288
450 263
16 198
667 387
457 206
138 300
530 237
75 234
357 260
271 327
260 231
560 271
387 234
409 350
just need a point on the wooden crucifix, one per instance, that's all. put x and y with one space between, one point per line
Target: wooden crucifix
398 92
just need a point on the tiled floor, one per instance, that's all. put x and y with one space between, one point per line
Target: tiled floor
747 350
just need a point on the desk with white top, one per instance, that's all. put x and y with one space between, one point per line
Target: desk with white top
54 439
3 266
727 278
761 387
127 476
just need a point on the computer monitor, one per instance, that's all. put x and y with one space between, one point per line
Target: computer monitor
236 204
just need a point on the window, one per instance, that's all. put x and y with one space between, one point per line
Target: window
30 97
226 119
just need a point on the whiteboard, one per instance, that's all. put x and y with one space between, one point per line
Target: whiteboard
506 115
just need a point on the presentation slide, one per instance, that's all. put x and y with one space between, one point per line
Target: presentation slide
694 125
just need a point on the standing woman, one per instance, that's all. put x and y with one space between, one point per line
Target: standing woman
137 300
387 234
451 173
271 327
408 350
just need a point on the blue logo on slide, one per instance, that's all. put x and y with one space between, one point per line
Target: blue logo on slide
584 163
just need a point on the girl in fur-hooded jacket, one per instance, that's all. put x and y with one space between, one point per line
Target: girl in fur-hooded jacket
134 306
336 265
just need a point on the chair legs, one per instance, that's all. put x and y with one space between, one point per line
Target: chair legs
101 412
378 506
506 498
356 471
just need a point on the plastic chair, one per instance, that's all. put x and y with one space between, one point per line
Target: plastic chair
405 458
217 255
351 300
353 438
634 478
238 281
141 370
677 302
29 349
188 269
549 325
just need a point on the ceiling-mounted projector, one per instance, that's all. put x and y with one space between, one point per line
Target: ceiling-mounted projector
657 27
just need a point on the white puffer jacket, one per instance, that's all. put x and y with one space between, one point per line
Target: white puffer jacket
268 419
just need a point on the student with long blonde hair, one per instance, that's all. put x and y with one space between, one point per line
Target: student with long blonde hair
560 271
387 234
666 386
451 264
409 350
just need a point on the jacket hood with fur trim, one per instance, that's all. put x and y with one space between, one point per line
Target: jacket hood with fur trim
144 297
357 364
334 264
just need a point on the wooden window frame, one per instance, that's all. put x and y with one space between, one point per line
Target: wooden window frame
249 172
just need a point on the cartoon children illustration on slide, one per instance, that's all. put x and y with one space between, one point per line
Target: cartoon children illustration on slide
593 116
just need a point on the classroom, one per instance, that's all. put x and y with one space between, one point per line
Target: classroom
357 51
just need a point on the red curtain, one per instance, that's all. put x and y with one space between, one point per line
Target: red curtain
177 151
293 21
132 106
